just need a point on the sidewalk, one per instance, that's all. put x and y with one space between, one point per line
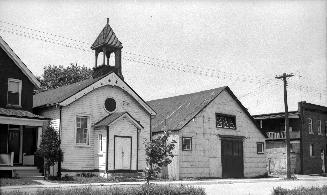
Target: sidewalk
46 184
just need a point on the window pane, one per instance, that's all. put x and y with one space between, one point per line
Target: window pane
13 87
84 122
187 144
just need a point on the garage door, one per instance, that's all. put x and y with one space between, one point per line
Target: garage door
232 158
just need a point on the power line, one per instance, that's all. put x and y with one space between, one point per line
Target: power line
202 70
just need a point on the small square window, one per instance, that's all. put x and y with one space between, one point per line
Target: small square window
186 143
260 148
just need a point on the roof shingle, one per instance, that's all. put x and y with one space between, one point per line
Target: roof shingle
175 112
19 114
59 94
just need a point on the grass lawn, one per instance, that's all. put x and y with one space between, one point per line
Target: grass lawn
120 190
302 190
16 181
93 179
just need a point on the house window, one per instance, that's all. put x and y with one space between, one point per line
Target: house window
260 148
319 127
225 121
100 142
82 130
187 143
310 125
14 92
312 154
326 128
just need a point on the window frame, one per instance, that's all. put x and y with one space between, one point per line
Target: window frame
187 149
310 126
225 115
88 118
19 90
100 137
311 150
319 127
262 147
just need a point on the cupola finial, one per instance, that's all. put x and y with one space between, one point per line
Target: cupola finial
107 20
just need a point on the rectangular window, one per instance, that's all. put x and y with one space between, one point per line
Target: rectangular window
326 128
260 148
310 126
14 92
82 131
187 143
225 121
100 142
319 127
312 154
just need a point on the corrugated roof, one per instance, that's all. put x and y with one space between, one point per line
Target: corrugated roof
19 63
107 37
174 113
19 114
59 94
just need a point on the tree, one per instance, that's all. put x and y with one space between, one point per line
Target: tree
159 154
57 76
49 150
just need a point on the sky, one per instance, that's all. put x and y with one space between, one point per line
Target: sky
185 46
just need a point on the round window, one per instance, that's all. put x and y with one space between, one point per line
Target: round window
110 104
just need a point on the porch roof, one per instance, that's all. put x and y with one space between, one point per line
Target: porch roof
106 121
20 114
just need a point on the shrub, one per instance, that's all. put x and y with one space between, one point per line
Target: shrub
301 190
126 190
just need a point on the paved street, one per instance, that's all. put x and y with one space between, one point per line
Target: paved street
214 186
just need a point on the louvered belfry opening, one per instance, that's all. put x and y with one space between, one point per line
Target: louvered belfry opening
107 43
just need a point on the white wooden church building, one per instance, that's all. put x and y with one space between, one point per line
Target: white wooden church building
102 121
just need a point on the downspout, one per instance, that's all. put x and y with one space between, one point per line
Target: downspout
60 129
300 105
107 148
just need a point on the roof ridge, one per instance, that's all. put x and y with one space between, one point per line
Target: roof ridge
188 94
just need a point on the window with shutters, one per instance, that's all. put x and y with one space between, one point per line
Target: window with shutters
225 121
14 92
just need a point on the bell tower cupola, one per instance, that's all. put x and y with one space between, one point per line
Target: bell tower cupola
107 43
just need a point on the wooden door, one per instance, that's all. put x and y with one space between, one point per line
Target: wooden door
123 152
232 158
14 143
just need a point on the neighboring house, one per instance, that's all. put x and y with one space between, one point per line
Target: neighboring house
20 129
215 134
308 137
102 121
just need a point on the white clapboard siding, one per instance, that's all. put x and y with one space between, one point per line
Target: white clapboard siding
92 105
205 158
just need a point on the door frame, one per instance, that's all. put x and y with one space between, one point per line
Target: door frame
232 138
20 129
130 164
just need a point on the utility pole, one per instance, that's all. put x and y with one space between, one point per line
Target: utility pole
288 151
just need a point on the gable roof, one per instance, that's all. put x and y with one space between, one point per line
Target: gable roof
107 37
174 113
54 96
107 120
19 63
65 95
